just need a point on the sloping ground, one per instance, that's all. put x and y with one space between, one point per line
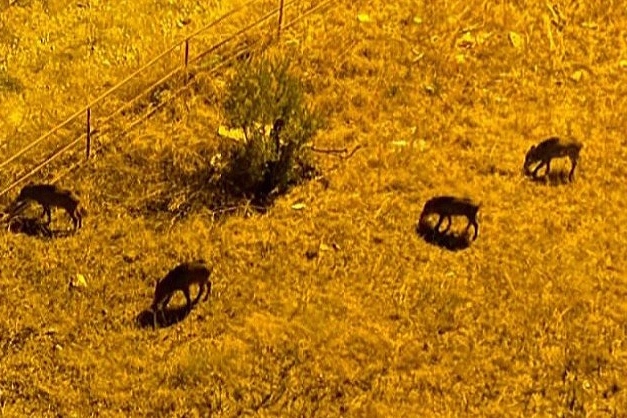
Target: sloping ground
340 308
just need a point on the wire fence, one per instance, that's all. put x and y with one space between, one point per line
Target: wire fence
23 166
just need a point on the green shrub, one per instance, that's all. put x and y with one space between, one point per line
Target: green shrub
267 162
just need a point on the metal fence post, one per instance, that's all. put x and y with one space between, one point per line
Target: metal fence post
88 140
186 59
280 18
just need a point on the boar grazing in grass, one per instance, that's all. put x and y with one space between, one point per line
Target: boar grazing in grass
48 196
448 206
549 149
181 278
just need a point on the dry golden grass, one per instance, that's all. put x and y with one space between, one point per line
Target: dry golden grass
531 320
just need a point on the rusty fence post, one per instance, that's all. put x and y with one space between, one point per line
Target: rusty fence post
280 18
88 140
186 60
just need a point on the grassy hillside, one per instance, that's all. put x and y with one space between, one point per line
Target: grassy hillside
337 309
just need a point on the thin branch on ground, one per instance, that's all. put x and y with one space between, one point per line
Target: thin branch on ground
338 152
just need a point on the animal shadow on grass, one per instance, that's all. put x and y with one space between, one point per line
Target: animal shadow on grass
33 227
554 178
165 318
449 241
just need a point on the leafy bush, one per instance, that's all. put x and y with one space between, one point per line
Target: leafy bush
267 162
